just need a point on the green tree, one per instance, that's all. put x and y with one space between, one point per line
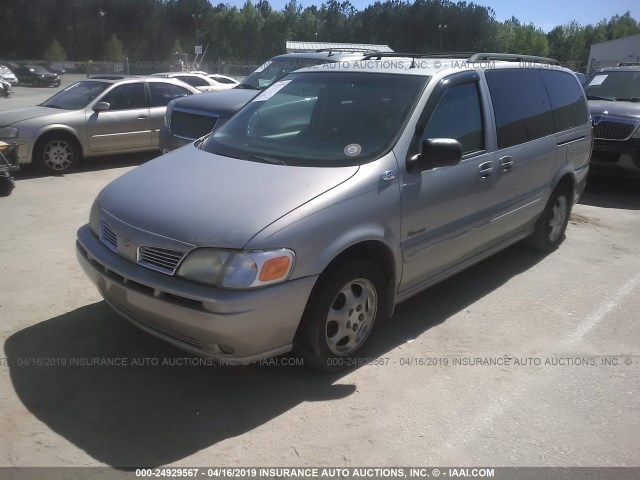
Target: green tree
55 52
115 50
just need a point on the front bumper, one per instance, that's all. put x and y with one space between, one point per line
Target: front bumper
48 82
256 324
25 148
621 159
169 141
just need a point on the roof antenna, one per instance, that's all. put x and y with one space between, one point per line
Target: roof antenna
413 61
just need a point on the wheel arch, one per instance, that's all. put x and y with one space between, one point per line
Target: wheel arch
380 254
56 129
567 179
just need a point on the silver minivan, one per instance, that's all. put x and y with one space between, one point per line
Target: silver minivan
335 194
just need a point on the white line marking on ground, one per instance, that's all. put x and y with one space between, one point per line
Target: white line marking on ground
602 311
464 434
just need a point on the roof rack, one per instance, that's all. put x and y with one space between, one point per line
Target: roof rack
345 50
468 56
380 55
511 57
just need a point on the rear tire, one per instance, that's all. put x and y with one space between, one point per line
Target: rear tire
340 314
56 153
550 228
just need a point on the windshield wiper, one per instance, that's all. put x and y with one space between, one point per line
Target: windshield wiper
629 99
273 161
247 86
53 105
596 97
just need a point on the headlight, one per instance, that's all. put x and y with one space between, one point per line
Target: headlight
237 270
167 115
8 132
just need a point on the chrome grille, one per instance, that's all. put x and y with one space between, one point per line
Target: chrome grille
613 130
192 125
160 259
108 236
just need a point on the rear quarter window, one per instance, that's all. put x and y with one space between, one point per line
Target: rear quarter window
521 106
567 100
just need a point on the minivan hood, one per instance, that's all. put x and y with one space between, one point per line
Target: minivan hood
20 114
209 200
629 110
225 103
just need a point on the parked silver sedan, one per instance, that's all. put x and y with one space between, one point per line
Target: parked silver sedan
90 118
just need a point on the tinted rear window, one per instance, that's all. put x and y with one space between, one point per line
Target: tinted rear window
521 106
567 99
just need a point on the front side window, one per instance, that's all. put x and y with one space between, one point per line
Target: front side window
321 119
459 115
76 96
520 104
162 93
126 97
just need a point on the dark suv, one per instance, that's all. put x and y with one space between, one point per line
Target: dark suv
614 102
188 119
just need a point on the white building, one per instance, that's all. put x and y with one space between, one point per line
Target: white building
613 52
295 47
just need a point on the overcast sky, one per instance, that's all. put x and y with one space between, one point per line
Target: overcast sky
545 14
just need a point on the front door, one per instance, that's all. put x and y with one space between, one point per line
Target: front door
125 125
447 210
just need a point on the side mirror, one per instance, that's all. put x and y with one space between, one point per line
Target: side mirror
436 152
101 107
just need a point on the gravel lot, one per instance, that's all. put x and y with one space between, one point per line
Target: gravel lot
566 396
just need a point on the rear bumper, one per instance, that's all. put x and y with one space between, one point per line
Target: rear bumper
581 182
255 324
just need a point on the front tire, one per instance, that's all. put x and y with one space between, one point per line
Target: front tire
340 314
550 228
56 154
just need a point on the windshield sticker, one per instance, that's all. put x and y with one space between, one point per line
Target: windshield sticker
352 150
597 80
271 91
262 67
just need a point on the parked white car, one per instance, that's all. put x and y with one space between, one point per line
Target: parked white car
223 80
197 80
7 75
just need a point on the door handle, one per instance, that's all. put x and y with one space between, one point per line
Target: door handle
142 117
506 164
485 170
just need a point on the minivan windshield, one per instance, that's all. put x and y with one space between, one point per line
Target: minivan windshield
269 72
76 96
321 119
614 85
